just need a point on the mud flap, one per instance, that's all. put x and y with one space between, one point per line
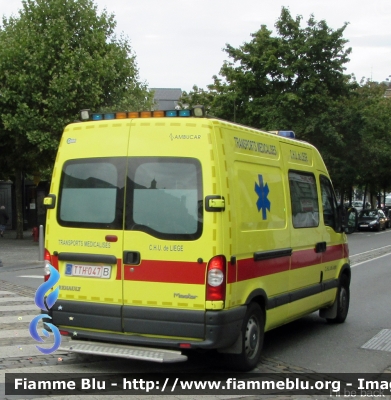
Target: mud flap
236 348
330 312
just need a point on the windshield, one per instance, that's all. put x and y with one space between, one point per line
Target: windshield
368 213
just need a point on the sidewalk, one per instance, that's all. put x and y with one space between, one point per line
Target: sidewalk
21 252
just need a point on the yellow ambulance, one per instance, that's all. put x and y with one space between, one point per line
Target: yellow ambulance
173 231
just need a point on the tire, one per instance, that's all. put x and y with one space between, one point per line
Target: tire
252 340
343 299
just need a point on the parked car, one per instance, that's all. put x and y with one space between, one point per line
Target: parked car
372 220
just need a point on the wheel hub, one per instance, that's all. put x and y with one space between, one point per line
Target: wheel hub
252 337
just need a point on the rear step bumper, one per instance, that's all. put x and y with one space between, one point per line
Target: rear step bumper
123 351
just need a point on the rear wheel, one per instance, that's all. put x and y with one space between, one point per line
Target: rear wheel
252 340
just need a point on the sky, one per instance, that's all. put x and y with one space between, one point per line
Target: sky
179 43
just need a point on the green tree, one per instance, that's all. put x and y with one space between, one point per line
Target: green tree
374 154
58 57
197 96
293 79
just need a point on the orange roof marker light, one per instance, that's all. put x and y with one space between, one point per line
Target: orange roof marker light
133 114
146 114
158 113
121 115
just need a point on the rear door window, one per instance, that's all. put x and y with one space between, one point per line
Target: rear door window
92 192
164 197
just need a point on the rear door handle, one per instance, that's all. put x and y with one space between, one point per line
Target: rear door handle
131 257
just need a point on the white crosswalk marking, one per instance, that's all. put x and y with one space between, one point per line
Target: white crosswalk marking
17 308
15 319
11 299
14 333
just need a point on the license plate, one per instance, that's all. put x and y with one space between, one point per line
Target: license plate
89 271
364 226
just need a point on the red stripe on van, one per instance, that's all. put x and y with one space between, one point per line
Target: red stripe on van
194 273
304 258
231 273
119 270
166 271
333 253
248 268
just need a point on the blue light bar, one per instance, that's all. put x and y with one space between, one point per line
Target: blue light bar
184 113
288 134
172 113
97 117
109 116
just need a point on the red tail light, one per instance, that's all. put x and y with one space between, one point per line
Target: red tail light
49 259
216 279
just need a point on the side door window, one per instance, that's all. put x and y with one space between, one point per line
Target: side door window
304 199
329 204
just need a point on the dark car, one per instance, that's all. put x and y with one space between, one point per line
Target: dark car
372 220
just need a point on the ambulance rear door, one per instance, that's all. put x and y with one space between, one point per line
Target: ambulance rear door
166 246
84 231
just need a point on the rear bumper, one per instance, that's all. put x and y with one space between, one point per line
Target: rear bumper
147 326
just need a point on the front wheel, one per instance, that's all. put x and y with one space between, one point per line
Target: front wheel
252 340
343 299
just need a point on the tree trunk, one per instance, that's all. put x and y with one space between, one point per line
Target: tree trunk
19 203
365 196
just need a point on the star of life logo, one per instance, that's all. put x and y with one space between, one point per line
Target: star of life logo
46 306
262 191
